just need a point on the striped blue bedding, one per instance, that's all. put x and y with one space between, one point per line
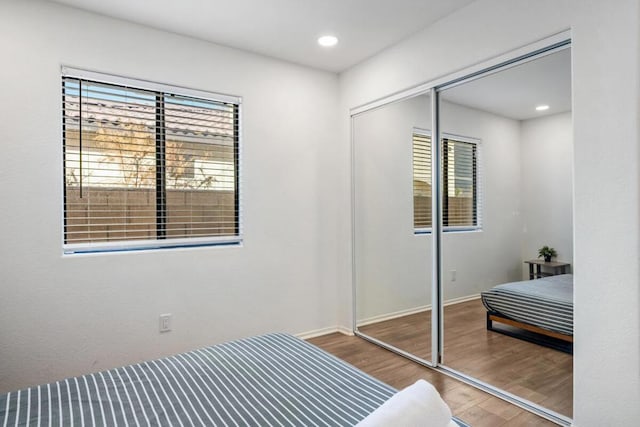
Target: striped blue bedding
546 302
274 379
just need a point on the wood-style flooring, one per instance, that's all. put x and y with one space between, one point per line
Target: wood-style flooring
537 373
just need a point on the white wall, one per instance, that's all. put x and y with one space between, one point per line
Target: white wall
607 217
606 178
63 316
547 186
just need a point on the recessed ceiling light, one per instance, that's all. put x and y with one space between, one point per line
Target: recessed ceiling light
328 41
542 107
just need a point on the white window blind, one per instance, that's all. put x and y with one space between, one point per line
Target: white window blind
421 180
461 201
147 168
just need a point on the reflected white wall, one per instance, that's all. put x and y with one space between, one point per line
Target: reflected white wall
393 265
547 186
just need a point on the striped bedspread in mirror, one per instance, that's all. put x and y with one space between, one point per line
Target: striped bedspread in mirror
274 379
546 302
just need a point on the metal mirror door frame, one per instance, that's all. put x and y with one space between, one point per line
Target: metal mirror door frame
436 305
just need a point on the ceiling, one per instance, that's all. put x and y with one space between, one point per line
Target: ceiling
516 91
285 29
288 30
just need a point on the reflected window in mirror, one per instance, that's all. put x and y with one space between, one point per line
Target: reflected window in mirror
460 184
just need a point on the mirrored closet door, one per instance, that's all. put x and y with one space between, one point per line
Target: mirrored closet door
507 192
498 188
392 214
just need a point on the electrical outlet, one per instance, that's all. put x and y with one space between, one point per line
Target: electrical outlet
453 275
165 322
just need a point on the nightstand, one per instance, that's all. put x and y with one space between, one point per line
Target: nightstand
550 268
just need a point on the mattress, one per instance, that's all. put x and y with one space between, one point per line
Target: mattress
546 302
274 379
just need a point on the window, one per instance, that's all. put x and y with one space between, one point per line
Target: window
148 167
460 183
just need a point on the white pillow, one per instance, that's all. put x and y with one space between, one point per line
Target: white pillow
418 405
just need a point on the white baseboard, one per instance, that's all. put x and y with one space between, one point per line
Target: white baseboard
394 315
317 332
324 331
414 310
345 331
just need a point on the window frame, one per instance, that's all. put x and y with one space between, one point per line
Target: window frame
158 243
478 188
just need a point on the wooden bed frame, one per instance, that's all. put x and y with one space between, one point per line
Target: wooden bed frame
537 335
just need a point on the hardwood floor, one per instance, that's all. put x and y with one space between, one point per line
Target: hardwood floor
534 372
537 373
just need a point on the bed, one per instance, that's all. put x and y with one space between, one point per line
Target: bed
541 309
273 379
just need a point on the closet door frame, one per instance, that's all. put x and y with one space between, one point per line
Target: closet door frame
516 57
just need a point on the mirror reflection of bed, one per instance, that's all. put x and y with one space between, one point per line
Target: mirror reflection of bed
540 310
507 191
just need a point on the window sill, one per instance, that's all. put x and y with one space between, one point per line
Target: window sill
421 231
148 246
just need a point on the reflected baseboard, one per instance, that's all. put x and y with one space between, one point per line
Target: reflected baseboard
461 299
413 310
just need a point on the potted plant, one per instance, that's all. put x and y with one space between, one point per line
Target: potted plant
547 253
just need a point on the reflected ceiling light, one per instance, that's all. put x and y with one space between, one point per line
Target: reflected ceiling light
328 41
542 107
